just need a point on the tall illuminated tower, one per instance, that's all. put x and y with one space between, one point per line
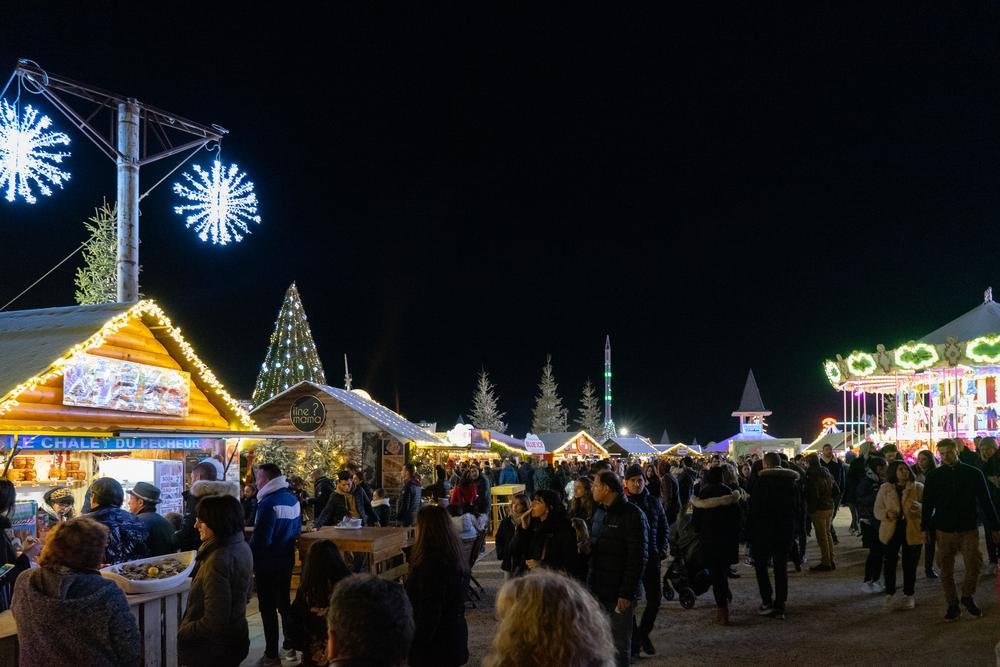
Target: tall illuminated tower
609 424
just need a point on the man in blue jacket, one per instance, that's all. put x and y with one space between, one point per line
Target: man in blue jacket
278 525
509 473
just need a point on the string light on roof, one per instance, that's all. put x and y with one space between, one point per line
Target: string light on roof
25 157
223 203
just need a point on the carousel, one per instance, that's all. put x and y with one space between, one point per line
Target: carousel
942 385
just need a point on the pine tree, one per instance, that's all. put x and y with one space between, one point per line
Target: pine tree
485 414
549 415
97 280
291 355
590 412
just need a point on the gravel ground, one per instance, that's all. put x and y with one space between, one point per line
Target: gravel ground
830 621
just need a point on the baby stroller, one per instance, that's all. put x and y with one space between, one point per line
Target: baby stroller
686 576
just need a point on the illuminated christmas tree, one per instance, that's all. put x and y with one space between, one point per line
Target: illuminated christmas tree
291 355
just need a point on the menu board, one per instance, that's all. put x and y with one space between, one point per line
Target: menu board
98 382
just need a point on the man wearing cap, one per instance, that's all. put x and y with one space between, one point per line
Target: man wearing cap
142 501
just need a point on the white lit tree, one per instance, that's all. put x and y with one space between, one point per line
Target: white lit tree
485 413
589 418
548 415
291 355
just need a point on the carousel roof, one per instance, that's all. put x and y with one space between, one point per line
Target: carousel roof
982 320
968 344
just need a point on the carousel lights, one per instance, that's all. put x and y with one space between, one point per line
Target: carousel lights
916 356
984 350
833 373
112 326
861 364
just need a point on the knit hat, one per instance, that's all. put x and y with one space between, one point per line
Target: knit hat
634 471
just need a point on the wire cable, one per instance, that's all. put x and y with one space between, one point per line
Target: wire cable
170 173
61 262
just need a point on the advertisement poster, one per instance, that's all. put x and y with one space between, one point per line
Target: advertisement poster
393 459
98 382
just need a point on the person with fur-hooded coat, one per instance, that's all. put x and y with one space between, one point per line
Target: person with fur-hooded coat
204 484
716 517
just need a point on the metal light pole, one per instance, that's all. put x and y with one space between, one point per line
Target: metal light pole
127 162
131 125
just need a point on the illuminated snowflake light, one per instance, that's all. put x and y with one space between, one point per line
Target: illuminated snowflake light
224 203
23 156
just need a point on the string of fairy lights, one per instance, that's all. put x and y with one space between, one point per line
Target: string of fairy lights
143 309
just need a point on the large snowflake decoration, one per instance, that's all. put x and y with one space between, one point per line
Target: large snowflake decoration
23 155
223 205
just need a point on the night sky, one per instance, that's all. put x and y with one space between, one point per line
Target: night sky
717 191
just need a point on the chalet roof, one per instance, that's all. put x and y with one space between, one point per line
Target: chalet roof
396 425
38 341
631 445
751 403
31 339
554 441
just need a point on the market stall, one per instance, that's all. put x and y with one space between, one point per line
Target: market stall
572 446
942 384
381 437
111 389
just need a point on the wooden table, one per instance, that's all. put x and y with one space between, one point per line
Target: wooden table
158 615
383 545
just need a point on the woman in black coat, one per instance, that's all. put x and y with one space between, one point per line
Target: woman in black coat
439 575
717 519
544 537
214 629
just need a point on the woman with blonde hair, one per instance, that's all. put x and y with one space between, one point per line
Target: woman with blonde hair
545 619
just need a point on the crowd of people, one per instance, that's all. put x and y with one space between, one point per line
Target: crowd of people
586 543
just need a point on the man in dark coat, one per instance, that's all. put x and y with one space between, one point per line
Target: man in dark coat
409 497
770 527
838 471
347 500
952 493
855 474
142 501
656 521
323 489
128 538
526 474
685 480
617 558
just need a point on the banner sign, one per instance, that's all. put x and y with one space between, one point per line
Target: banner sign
90 381
480 439
533 444
45 442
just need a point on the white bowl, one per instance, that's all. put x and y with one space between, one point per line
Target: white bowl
137 587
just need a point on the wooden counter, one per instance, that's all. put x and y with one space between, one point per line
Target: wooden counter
383 545
158 615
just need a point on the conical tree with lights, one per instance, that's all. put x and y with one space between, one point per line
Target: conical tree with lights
485 413
291 355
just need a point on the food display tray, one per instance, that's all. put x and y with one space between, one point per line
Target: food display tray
133 587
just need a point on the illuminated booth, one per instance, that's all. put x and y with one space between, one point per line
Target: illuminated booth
383 438
570 445
107 390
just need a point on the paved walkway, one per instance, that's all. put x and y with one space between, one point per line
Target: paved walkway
830 622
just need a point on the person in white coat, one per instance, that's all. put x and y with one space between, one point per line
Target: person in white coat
898 507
